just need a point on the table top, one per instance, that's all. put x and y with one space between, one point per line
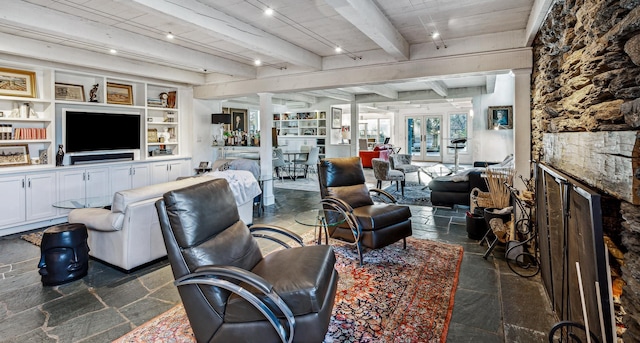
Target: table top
315 217
436 170
95 202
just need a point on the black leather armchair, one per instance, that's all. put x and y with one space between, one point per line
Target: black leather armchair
230 291
342 187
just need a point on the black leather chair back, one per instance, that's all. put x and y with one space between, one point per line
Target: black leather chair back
344 179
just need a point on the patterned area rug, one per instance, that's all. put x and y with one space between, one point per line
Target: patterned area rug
414 194
397 296
34 238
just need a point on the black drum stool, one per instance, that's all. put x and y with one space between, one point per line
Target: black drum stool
64 254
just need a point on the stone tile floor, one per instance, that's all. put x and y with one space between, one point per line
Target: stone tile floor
492 304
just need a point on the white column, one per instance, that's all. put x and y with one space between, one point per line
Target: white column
522 125
266 148
353 149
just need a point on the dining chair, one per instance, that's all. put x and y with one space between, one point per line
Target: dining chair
280 165
310 162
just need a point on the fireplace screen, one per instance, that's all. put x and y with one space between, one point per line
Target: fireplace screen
574 265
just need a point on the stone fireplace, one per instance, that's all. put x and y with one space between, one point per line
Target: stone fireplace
585 119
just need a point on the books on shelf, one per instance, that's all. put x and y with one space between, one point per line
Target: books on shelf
7 132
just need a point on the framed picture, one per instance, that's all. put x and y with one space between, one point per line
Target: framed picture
68 92
239 120
152 135
15 82
119 94
500 117
336 118
14 155
203 165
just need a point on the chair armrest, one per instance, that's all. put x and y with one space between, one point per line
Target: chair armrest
330 200
384 193
212 276
275 229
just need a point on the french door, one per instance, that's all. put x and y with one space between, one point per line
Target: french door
424 138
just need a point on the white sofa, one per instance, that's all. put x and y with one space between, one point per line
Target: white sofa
128 235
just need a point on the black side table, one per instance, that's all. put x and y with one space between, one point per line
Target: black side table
64 254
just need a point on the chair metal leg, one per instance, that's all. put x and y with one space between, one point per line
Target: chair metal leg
404 243
403 184
379 184
397 186
359 248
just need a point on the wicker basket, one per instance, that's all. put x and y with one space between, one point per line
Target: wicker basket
479 198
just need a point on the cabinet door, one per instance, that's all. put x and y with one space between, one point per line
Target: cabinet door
121 178
159 173
141 175
12 201
176 169
98 182
71 184
40 196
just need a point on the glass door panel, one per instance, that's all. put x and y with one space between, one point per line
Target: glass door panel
424 138
432 151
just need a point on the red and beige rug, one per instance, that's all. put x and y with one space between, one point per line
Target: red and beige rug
397 296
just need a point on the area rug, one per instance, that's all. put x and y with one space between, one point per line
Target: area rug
302 184
397 296
34 238
414 194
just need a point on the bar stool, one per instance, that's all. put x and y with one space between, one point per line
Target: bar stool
64 254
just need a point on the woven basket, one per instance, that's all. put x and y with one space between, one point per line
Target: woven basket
479 198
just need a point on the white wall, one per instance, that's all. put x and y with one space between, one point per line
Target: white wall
489 144
202 131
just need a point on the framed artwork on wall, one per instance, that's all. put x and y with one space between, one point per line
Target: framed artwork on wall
336 118
14 82
119 94
14 155
239 120
68 92
500 117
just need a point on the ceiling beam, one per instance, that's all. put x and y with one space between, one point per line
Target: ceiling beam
438 87
491 84
234 30
65 57
403 71
333 94
20 14
385 91
296 97
368 18
538 14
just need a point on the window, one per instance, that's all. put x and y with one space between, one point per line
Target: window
458 123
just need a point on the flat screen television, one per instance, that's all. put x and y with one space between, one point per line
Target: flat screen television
96 131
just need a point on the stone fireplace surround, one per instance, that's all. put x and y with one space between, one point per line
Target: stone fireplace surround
585 119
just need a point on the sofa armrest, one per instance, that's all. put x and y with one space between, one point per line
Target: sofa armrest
98 219
479 164
476 180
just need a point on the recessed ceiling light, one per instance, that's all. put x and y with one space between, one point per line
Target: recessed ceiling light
435 35
338 49
268 11
257 62
170 35
113 51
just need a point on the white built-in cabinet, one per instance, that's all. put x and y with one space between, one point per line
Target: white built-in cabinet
27 198
29 189
83 183
168 171
129 176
